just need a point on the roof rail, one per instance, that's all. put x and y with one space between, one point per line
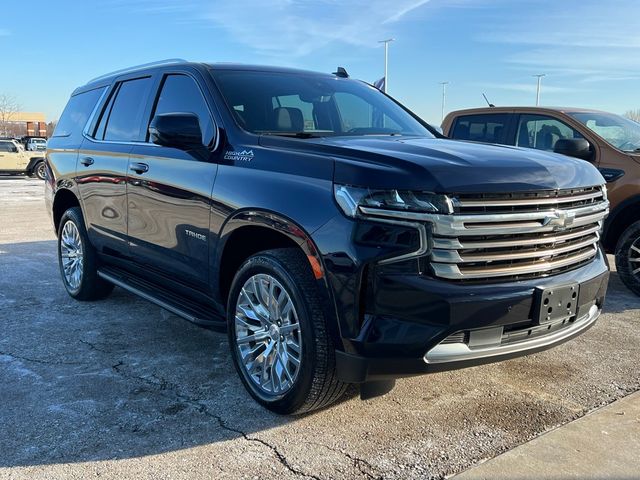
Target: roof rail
168 61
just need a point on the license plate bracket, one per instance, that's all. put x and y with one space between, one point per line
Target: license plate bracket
556 303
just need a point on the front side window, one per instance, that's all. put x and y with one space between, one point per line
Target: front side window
487 128
123 116
181 94
542 132
620 132
308 105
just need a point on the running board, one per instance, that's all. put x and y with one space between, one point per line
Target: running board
200 315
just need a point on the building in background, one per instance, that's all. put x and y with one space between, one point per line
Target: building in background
20 124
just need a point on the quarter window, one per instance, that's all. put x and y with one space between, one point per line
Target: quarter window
181 94
76 113
123 115
542 132
490 128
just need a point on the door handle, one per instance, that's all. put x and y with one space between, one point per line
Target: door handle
86 161
139 167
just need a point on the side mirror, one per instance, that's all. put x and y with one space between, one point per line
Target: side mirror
574 147
178 130
14 149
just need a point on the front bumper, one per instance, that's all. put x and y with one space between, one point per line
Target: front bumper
415 315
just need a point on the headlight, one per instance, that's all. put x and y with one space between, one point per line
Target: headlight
351 199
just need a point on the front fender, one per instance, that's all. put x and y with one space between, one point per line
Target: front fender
293 231
273 221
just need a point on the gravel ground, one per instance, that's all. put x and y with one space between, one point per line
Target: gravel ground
121 388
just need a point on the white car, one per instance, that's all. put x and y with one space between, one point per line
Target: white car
36 145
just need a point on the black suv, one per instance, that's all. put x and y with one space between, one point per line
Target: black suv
335 236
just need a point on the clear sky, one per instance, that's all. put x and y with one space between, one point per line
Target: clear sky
589 49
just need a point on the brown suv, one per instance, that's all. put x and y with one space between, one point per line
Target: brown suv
609 141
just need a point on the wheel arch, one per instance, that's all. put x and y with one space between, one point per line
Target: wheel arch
620 218
237 242
64 199
33 162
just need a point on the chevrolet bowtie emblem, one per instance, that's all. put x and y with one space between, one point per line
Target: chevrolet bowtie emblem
560 219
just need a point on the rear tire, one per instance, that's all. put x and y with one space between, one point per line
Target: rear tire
288 366
628 257
40 171
78 259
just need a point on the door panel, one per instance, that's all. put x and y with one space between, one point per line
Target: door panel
101 177
168 212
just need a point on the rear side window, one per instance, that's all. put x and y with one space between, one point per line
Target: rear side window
76 113
124 113
489 128
181 94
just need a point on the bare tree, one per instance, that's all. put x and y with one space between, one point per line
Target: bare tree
633 114
51 126
8 108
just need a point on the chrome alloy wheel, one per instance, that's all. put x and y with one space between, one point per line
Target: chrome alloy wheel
268 335
634 257
71 254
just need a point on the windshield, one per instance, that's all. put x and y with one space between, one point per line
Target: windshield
622 133
307 105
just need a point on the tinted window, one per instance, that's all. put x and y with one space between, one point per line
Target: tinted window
489 128
102 125
281 103
542 132
123 124
76 113
181 94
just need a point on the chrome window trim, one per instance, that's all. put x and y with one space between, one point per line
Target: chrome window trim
96 109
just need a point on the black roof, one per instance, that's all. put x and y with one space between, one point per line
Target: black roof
108 78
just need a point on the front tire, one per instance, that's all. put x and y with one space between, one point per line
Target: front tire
628 257
278 335
78 259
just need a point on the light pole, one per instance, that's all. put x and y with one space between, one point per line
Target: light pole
444 97
539 77
386 62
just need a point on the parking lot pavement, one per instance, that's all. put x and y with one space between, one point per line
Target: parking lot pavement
603 444
121 388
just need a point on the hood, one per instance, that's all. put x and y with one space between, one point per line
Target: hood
449 166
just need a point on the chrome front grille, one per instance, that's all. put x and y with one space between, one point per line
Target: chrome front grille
517 236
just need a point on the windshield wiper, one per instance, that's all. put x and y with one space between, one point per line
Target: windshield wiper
292 134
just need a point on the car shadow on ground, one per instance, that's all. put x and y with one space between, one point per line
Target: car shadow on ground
117 378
